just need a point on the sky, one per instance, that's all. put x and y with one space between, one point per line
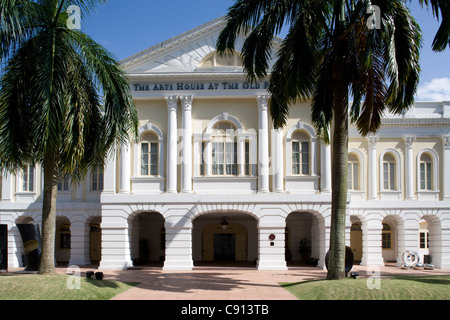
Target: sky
126 27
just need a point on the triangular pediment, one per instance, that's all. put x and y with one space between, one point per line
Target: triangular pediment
183 53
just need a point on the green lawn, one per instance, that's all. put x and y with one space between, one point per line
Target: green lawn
55 287
392 288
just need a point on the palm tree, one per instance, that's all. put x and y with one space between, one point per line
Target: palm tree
333 49
64 101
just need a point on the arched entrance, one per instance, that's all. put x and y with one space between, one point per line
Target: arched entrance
225 238
304 238
147 239
95 240
62 241
356 236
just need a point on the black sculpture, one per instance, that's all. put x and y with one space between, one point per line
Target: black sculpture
3 247
31 239
348 260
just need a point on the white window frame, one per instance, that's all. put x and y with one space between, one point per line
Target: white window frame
311 133
398 176
24 180
203 144
434 192
149 128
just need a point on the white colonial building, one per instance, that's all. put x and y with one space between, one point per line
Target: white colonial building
210 179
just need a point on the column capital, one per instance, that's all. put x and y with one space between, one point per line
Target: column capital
172 103
372 140
446 141
186 102
263 102
409 141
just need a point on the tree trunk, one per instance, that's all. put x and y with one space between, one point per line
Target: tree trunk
47 263
336 262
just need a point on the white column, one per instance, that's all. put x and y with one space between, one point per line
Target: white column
178 242
263 144
277 160
115 241
372 250
79 243
109 176
171 176
271 242
409 167
125 169
186 160
446 167
407 236
325 167
372 174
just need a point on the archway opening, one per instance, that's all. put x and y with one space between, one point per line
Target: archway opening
225 239
303 239
147 239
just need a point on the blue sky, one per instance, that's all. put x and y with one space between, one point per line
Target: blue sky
126 27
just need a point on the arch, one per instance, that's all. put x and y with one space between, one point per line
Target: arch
305 226
223 117
151 127
63 241
146 237
234 232
300 125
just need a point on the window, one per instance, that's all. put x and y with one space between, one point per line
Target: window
149 154
386 236
247 166
64 236
300 154
353 172
426 172
64 183
28 179
424 240
224 150
389 172
97 179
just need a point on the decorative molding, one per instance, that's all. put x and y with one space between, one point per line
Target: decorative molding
409 141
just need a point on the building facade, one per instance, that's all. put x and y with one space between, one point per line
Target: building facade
210 179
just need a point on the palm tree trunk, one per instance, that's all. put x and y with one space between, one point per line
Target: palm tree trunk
336 262
47 263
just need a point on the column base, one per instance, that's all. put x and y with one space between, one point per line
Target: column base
115 265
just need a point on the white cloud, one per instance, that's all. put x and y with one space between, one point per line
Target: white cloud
438 89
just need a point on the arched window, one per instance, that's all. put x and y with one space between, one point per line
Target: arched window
224 149
301 153
149 146
353 177
426 172
389 172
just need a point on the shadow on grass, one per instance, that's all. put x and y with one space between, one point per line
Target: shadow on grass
444 280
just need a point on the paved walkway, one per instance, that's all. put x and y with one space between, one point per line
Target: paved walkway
226 283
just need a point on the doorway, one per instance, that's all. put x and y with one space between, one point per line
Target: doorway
224 246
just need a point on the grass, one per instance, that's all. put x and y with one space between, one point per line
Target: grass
55 287
392 288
